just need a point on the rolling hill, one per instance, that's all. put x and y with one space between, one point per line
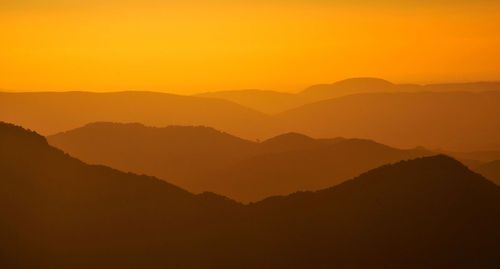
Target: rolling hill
203 159
59 212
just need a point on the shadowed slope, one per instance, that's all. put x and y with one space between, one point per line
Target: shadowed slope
457 121
425 213
491 171
203 159
61 213
52 112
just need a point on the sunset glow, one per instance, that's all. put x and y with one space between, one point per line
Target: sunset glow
195 46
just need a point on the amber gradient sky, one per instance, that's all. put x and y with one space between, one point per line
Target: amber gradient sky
190 46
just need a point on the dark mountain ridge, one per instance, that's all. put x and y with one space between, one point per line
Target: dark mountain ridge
61 213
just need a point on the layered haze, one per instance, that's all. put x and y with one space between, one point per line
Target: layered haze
250 134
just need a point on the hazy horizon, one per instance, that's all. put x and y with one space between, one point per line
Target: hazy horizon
201 45
213 90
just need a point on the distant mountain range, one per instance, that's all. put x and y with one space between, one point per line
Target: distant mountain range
59 212
201 159
458 121
273 102
452 117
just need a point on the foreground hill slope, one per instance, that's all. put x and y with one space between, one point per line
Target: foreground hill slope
425 213
61 213
203 159
456 121
52 112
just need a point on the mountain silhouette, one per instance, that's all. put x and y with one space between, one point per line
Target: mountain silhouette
203 159
490 171
273 102
59 212
52 112
456 121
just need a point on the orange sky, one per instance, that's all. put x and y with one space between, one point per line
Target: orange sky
198 45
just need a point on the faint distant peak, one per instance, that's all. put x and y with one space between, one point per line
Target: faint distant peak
363 81
357 82
348 86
